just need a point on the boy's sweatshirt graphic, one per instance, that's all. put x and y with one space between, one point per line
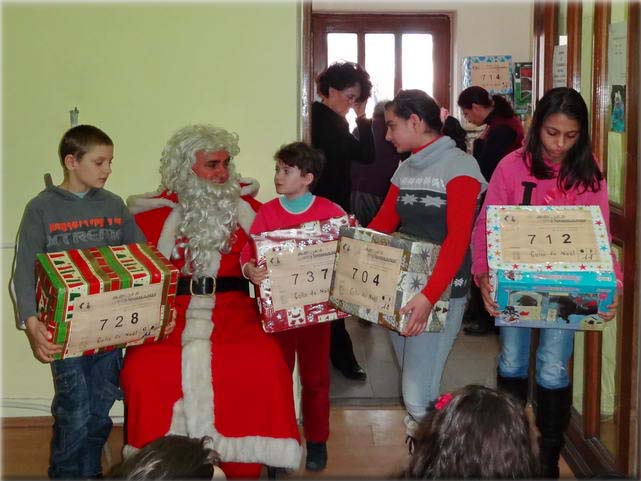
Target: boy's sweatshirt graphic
58 220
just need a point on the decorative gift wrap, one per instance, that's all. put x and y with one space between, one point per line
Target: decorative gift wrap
376 274
96 299
550 266
299 262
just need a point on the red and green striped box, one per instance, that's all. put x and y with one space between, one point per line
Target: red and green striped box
70 282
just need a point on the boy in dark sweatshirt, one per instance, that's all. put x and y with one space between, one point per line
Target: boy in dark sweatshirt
77 214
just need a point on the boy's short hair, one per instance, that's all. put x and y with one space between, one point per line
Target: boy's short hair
79 139
308 159
170 457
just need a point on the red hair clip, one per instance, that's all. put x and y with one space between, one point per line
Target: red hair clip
443 400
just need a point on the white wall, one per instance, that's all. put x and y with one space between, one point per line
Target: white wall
480 28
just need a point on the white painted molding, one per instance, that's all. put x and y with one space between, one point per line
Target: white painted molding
8 245
35 407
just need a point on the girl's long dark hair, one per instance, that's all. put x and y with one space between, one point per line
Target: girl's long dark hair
578 168
481 433
480 96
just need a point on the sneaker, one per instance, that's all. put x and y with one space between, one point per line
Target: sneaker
316 456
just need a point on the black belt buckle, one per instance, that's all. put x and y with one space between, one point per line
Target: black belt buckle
202 286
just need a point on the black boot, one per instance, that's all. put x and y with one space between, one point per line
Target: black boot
515 386
316 456
552 419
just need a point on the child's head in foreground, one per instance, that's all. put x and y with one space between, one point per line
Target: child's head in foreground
475 432
170 457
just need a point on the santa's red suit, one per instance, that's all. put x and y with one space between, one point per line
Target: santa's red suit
217 373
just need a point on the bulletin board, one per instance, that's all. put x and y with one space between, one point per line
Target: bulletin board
492 72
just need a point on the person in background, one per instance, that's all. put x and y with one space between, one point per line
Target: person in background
341 87
555 167
434 196
370 182
475 433
503 134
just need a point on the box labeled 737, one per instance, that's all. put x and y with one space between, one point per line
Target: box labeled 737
550 266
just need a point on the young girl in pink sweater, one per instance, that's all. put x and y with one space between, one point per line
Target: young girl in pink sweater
556 167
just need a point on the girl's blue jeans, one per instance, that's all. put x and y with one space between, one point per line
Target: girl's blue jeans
422 359
552 355
85 390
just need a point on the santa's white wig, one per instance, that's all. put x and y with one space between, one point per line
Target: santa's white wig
179 153
208 211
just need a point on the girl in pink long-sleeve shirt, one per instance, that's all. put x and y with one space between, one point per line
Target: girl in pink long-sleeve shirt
556 167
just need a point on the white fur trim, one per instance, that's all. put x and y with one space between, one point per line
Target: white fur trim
195 412
167 239
251 188
148 201
246 215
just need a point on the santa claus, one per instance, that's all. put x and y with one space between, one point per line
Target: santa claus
217 373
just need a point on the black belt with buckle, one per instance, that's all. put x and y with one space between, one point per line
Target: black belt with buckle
208 286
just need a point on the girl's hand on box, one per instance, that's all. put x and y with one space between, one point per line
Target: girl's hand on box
254 273
486 293
612 309
40 340
419 308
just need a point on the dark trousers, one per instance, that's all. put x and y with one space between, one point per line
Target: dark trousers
85 390
341 350
475 311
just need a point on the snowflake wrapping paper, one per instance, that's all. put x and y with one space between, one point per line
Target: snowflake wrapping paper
376 274
299 262
550 266
98 299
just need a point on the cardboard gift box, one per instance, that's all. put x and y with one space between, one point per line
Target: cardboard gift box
376 274
97 299
550 266
299 262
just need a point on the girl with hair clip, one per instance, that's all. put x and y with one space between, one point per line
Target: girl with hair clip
503 134
556 167
433 196
474 433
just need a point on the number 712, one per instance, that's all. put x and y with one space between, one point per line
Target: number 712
567 238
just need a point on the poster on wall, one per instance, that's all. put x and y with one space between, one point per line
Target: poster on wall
492 72
523 87
560 66
617 52
617 108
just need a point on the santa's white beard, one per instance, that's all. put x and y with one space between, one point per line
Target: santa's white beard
209 218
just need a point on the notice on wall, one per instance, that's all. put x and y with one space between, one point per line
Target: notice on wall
617 53
560 66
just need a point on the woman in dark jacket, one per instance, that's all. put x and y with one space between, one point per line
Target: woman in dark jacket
503 134
342 86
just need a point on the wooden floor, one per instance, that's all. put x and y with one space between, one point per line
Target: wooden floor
365 442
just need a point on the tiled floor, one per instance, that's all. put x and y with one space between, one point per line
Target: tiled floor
472 361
